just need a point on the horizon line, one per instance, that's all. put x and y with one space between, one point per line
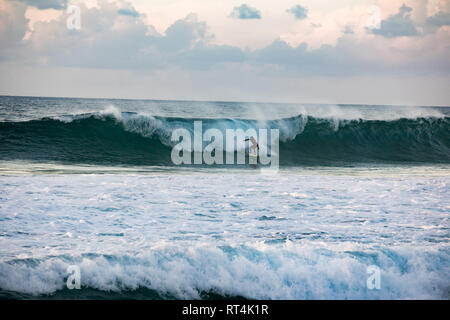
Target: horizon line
227 101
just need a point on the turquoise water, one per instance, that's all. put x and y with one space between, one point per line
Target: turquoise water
89 182
119 133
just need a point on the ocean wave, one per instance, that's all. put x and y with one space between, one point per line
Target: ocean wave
114 137
289 271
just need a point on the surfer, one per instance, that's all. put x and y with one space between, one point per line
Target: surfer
254 146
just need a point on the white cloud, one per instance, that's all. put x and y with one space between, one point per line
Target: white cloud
46 4
298 11
245 12
397 25
112 41
13 27
440 19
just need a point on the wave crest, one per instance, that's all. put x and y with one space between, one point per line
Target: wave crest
118 137
289 271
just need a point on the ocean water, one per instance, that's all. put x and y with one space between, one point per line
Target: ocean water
90 183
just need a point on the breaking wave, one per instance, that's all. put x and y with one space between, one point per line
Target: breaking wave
129 138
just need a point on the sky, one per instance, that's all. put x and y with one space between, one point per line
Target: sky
311 51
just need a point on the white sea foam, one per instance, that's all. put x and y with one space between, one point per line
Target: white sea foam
287 271
290 122
303 234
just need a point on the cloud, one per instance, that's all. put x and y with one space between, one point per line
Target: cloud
184 34
128 12
13 27
106 39
281 58
299 12
397 25
348 29
245 12
115 55
439 19
109 40
46 4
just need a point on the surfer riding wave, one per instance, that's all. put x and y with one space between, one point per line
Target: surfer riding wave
254 145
